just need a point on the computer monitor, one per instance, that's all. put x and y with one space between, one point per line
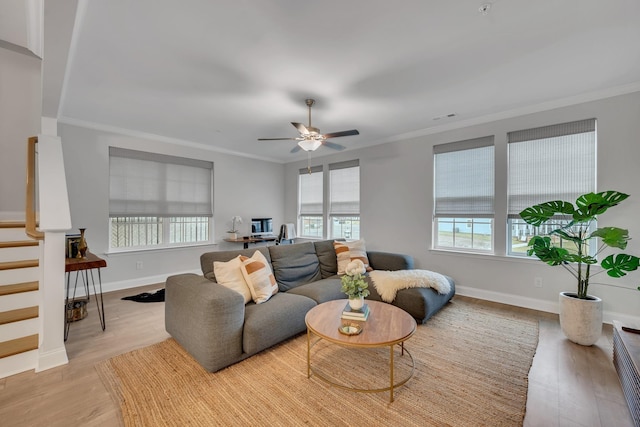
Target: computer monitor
261 226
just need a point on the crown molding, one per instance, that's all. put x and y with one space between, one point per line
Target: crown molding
155 137
522 111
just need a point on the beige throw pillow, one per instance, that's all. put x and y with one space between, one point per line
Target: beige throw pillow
229 274
257 273
349 251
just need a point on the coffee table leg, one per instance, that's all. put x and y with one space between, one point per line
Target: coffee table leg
391 374
308 354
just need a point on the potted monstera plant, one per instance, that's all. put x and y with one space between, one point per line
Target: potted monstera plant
568 244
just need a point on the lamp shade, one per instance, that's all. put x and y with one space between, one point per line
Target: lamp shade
310 144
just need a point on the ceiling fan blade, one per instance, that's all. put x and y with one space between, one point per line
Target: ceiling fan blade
276 139
343 133
301 128
295 149
333 145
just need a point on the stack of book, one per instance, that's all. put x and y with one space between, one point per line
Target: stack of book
351 314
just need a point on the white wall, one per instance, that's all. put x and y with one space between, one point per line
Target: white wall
244 187
397 201
20 104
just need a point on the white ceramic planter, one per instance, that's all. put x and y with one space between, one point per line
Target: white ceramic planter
581 319
356 303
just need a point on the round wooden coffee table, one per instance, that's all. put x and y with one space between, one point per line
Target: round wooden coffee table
386 326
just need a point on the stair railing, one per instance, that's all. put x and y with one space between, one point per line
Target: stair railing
30 210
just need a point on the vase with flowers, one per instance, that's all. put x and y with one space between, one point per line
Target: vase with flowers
233 233
354 285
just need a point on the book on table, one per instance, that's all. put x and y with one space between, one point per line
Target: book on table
352 314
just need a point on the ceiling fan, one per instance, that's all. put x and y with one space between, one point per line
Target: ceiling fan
310 138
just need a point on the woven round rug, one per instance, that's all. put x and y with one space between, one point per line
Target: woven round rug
471 368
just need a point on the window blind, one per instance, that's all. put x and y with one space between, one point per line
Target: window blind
310 191
464 178
555 162
150 184
344 188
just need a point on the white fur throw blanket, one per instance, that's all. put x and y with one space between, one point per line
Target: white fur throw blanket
388 283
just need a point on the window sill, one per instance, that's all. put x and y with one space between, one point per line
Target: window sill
125 251
484 255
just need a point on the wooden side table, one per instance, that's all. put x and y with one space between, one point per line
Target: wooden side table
84 269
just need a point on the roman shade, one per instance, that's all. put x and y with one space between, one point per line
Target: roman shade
149 184
555 162
464 178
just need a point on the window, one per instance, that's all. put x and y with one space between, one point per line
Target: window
464 194
310 202
344 200
549 163
157 200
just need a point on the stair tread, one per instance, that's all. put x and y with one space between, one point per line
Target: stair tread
19 345
18 315
18 243
9 265
16 288
12 224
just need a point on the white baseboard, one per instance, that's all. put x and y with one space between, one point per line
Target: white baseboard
51 359
127 284
536 304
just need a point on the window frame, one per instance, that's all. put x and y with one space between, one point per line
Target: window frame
163 215
446 210
326 216
551 134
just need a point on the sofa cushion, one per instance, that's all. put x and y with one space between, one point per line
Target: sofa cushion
207 259
228 274
321 290
421 303
274 321
294 265
327 258
257 274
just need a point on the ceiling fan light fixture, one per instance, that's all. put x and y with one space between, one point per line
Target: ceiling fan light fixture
310 144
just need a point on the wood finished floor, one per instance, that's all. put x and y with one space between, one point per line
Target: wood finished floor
569 385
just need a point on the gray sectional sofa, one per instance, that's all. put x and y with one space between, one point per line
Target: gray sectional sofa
215 326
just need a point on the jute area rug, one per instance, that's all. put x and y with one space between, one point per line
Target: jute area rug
471 368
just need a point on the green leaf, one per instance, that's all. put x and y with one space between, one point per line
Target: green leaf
542 248
617 265
613 236
538 214
591 205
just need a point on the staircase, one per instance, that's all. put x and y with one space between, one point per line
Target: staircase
19 299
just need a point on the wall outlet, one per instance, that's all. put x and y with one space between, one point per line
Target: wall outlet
139 265
537 282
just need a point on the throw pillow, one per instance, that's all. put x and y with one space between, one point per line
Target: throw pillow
257 273
348 251
229 274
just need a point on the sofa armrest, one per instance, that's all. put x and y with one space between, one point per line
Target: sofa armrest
389 261
206 318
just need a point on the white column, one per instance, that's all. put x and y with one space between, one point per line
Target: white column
55 219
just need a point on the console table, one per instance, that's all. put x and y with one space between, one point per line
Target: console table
247 240
626 359
84 269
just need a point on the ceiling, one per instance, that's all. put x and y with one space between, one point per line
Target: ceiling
223 73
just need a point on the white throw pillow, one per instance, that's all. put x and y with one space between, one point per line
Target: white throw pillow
229 274
257 273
